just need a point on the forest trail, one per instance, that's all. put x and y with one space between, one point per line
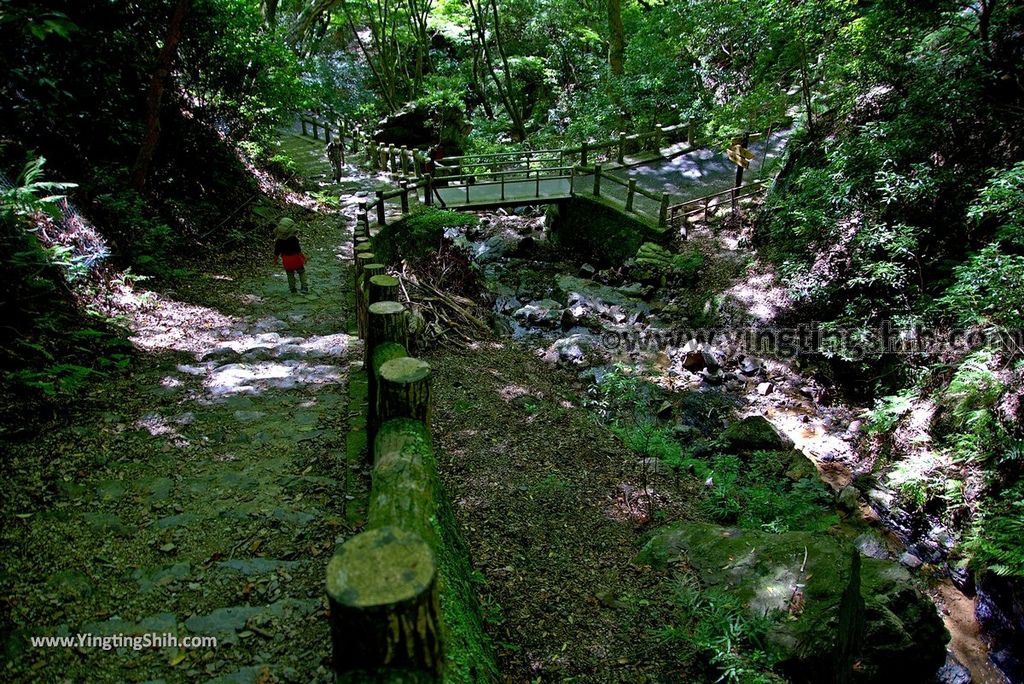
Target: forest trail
203 494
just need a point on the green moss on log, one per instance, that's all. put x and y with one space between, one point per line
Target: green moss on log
404 446
382 591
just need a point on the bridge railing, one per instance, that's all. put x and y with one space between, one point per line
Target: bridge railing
613 150
635 199
505 180
679 214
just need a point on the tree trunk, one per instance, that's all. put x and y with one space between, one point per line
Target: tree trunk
269 10
504 87
156 94
616 38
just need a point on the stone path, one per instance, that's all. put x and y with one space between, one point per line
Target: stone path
201 495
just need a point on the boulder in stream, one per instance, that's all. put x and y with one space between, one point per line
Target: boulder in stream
546 313
755 433
834 608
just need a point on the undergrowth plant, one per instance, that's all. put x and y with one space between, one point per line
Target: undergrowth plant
714 625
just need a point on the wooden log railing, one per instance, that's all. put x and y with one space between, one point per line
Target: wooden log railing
399 161
387 585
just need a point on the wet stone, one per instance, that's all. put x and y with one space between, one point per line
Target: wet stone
111 490
70 584
105 523
151 577
258 566
178 520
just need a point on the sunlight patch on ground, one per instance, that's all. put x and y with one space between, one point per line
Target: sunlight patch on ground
761 296
632 503
162 426
336 345
253 378
176 326
510 392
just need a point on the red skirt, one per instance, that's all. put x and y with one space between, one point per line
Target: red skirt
293 262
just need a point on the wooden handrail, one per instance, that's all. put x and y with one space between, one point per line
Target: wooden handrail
748 189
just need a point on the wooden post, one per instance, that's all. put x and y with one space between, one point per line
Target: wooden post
390 165
363 258
381 220
428 190
382 287
371 271
405 196
583 153
361 212
405 160
597 180
663 212
621 157
363 300
739 174
630 193
382 593
404 390
316 131
327 133
386 323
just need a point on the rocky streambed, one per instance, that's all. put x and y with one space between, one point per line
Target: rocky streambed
593 317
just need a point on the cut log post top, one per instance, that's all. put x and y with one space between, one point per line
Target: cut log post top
404 390
382 288
382 591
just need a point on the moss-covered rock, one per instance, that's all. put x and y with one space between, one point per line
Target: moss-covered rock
755 433
417 234
801 578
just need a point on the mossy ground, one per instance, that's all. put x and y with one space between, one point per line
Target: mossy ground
195 496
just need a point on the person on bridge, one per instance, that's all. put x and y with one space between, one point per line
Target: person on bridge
287 248
335 155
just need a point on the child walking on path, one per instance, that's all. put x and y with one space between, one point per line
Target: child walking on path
287 248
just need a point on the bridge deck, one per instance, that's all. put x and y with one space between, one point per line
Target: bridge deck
510 194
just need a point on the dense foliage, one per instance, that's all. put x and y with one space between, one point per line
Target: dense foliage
900 200
77 89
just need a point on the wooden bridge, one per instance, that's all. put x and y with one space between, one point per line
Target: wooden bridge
528 177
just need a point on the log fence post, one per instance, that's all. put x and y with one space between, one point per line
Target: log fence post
630 194
404 390
597 180
382 593
381 219
663 211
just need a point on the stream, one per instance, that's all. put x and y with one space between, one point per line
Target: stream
586 318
